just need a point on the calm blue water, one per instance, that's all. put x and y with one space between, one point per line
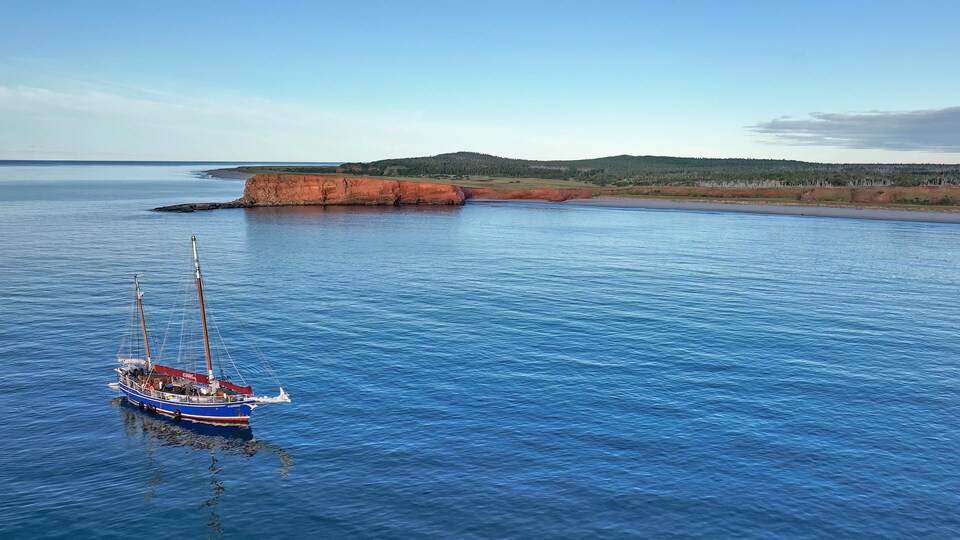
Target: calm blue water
499 370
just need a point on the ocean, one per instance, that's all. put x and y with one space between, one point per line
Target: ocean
498 370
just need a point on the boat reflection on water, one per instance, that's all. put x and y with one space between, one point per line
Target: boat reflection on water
218 440
234 439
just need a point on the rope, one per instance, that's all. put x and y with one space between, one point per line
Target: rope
129 332
226 350
222 345
163 345
246 330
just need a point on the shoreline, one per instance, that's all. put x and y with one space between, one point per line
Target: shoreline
874 213
227 174
880 214
307 190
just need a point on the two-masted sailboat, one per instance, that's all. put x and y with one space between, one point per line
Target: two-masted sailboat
182 394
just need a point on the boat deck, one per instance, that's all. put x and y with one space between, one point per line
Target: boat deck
169 388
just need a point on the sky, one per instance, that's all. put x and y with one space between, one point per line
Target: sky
825 81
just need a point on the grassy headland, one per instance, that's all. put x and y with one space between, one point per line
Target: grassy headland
481 176
481 170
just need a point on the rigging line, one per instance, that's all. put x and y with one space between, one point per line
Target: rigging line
182 308
221 345
216 328
266 363
166 332
198 352
226 350
137 340
191 306
200 339
246 330
194 353
184 341
125 340
166 335
137 337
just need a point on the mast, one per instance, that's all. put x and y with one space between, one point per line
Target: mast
143 321
203 314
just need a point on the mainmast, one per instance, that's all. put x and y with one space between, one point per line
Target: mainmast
203 314
143 321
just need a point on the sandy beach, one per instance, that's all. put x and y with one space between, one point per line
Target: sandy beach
943 216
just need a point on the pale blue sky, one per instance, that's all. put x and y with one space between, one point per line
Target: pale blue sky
860 81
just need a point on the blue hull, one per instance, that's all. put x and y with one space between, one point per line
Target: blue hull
226 413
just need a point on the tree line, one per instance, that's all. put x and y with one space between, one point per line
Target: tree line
626 170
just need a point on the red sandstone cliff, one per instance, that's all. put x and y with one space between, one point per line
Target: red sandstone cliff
307 190
293 189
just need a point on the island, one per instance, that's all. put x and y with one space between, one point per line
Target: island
453 179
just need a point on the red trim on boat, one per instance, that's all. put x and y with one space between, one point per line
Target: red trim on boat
211 419
197 377
181 373
245 390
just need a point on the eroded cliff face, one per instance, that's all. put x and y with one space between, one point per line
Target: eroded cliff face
316 190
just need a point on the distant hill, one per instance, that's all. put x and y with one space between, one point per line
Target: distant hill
626 170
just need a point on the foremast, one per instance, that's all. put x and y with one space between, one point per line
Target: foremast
203 313
143 321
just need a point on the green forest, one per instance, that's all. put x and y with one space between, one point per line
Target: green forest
626 170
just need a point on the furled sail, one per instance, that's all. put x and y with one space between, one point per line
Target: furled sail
196 377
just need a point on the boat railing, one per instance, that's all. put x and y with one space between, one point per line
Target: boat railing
182 398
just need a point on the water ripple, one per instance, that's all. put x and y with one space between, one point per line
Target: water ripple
489 371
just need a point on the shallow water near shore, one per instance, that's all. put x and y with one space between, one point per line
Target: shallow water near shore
493 370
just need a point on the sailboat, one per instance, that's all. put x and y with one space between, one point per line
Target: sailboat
182 394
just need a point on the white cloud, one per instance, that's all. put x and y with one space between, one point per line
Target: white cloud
928 130
43 123
129 122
